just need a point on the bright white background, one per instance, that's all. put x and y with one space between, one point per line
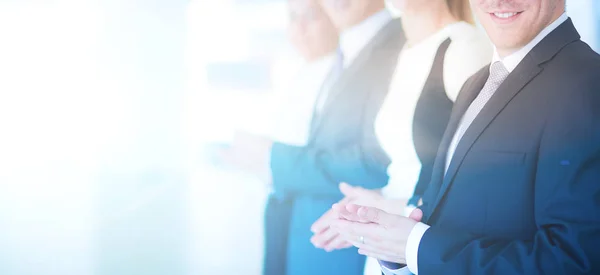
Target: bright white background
104 111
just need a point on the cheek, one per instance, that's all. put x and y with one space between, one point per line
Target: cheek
479 5
315 37
480 14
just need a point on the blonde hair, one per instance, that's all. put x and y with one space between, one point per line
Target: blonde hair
461 10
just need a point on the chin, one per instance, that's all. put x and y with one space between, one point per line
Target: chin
508 45
506 39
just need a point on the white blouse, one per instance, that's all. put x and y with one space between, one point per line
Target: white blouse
468 52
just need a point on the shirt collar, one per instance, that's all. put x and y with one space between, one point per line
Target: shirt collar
511 61
354 39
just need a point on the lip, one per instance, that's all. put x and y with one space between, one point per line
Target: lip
497 16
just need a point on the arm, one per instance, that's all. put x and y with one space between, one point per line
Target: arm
567 205
309 170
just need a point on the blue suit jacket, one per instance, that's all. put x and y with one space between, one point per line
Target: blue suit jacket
342 147
522 193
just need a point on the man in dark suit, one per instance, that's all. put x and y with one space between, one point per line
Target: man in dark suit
516 188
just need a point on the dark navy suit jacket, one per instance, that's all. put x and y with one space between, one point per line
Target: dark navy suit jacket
522 193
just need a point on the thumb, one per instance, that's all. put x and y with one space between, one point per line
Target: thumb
346 189
416 215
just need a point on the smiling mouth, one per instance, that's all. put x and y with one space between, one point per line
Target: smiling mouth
505 15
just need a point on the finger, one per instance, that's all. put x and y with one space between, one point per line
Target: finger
343 212
389 247
382 256
353 207
354 191
353 230
323 239
340 210
346 189
340 243
335 243
322 223
416 215
345 200
375 215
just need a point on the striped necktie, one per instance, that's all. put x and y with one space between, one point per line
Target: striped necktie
498 74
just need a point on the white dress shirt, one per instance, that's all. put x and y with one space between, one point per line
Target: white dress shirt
510 62
468 52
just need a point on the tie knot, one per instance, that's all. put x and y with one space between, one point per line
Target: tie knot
498 73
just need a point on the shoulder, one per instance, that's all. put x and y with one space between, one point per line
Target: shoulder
577 60
575 86
576 68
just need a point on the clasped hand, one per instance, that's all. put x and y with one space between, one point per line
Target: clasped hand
362 223
376 233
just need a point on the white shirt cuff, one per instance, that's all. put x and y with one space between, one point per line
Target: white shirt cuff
401 271
412 246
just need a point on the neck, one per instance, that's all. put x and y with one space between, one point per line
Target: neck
420 25
502 53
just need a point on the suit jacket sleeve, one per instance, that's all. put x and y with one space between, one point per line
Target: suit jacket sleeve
567 205
318 171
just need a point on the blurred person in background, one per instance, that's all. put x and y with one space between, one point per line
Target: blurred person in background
313 35
341 145
443 49
315 40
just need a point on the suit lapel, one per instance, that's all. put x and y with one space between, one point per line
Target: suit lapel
513 84
526 71
466 96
